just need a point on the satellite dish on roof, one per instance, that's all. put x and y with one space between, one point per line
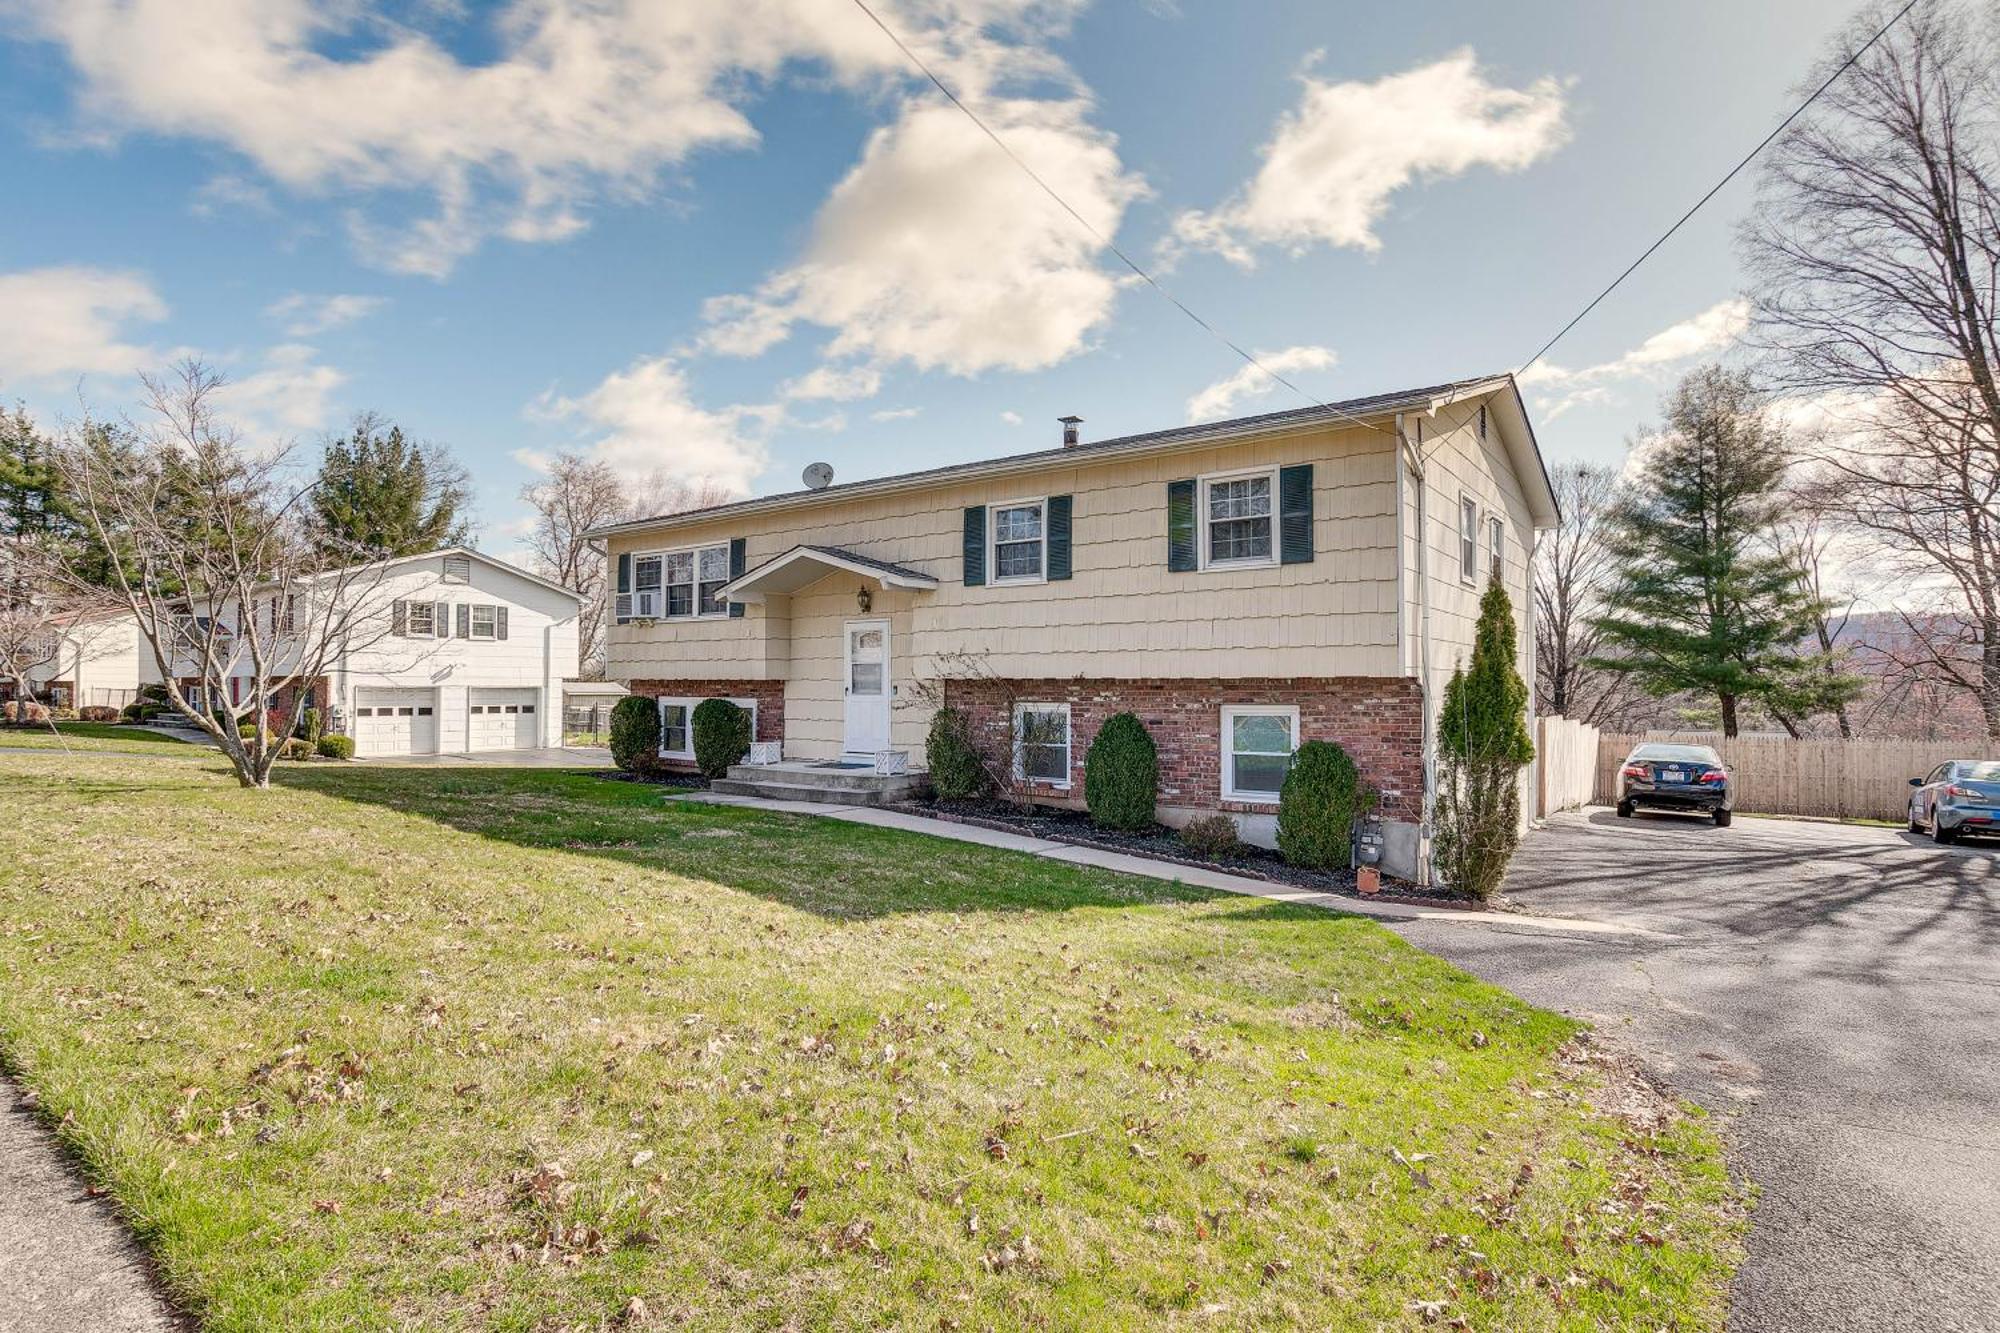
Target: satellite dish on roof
818 476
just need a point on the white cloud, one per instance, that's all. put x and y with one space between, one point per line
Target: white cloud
290 392
70 321
645 422
538 461
938 251
834 383
569 105
1335 160
1557 389
304 315
1011 418
227 194
1221 398
895 414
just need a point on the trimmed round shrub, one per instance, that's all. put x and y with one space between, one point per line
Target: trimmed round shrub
134 712
1121 774
295 749
336 747
1322 797
951 757
1212 836
97 713
721 736
247 730
635 733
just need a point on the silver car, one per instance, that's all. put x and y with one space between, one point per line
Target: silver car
1957 797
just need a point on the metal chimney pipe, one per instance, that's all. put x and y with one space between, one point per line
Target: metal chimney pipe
1069 425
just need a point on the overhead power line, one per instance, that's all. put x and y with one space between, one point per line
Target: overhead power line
1716 189
1086 224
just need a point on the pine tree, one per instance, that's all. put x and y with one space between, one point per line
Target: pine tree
380 494
1483 743
1703 601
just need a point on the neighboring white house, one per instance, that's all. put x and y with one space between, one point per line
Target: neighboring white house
466 653
94 659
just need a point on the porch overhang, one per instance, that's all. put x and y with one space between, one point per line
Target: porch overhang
803 566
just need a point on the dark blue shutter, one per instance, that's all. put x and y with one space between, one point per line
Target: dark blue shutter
464 620
975 545
1295 514
499 622
737 555
622 607
1059 529
1181 553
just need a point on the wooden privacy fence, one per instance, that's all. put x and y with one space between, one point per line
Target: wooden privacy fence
1775 775
1566 763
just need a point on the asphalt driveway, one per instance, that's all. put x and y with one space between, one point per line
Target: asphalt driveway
1834 993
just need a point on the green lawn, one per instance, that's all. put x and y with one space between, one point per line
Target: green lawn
87 736
503 1049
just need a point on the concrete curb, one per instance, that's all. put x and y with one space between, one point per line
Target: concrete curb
1167 871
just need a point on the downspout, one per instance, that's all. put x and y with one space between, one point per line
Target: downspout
1413 459
1538 795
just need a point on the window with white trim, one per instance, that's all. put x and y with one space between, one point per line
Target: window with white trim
420 620
1018 538
1496 547
483 622
1041 744
677 724
1257 745
1237 527
1468 539
679 585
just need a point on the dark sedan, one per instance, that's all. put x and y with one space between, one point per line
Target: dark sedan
1687 778
1957 797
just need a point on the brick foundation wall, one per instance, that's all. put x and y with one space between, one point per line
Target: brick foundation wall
769 694
1377 720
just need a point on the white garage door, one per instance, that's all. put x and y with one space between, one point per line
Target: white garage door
395 722
503 720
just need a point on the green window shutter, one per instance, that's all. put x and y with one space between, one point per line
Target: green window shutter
975 545
738 550
399 618
1295 514
1181 554
499 622
1059 530
464 620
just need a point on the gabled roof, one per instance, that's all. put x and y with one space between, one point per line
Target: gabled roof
1367 411
803 565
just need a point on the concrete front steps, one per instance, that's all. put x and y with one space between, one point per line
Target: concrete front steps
796 780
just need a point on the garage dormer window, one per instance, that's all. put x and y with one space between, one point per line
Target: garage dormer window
1019 544
1236 518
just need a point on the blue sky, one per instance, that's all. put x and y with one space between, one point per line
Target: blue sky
734 238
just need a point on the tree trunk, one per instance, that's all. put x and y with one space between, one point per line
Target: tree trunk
1728 715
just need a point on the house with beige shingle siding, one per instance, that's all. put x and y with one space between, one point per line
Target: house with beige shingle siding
1241 586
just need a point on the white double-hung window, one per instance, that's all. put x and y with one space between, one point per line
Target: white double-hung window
1020 545
1041 743
1468 539
1236 519
675 585
1257 745
1496 547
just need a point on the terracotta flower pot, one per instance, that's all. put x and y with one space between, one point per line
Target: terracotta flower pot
1368 879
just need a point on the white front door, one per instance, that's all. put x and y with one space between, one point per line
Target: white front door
866 680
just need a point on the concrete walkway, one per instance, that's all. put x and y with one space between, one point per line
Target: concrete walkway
1148 868
67 1264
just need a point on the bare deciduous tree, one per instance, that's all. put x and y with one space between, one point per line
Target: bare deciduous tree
1877 248
1572 566
580 494
216 554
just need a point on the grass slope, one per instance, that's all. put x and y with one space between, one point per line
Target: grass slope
530 1050
88 736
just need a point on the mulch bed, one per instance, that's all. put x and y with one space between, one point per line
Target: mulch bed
1160 843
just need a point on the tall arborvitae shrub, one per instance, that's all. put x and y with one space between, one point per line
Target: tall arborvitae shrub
721 736
635 733
1121 774
951 757
1483 744
1322 797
